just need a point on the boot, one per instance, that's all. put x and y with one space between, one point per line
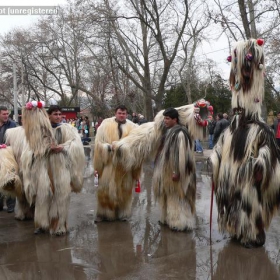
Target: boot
1 202
11 203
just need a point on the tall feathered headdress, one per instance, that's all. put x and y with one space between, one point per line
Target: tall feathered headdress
37 127
247 77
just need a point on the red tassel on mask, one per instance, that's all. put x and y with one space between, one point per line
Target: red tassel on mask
137 186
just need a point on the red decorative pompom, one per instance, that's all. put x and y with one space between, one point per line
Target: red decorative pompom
39 104
229 58
201 103
260 42
138 186
175 177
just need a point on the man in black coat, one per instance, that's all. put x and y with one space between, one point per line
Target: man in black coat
6 123
276 128
211 127
221 125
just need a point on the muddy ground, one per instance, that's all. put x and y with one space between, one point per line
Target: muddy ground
137 249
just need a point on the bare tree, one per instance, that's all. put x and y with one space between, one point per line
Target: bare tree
195 31
144 40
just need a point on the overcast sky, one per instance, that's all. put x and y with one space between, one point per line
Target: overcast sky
8 22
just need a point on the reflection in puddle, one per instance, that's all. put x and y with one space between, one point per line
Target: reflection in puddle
137 249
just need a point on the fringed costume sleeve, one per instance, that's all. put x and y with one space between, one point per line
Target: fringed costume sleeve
68 137
10 182
140 145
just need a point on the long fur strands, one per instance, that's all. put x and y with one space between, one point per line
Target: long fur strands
15 137
246 172
67 135
48 177
38 130
140 145
172 151
246 159
143 142
176 158
49 180
246 77
176 197
115 184
186 118
10 182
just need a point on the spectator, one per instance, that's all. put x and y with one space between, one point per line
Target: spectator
225 115
276 128
98 123
198 146
135 118
86 127
221 124
77 123
80 127
142 120
211 126
6 123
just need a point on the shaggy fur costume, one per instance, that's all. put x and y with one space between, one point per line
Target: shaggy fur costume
173 151
246 169
15 137
115 184
48 177
10 182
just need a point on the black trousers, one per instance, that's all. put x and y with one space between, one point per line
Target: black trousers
278 142
11 202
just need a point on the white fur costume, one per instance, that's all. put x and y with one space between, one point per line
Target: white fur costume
115 184
173 150
246 169
15 137
10 182
48 177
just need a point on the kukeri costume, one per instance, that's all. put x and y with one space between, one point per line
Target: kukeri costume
246 170
48 178
115 184
16 139
174 179
10 182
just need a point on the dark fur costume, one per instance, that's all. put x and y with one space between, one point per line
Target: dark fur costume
246 169
176 197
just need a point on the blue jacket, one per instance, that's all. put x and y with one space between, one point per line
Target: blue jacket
7 125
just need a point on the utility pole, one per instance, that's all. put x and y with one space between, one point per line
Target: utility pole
22 88
15 94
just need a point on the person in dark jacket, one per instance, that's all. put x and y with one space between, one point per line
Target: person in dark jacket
142 119
221 124
276 128
135 118
6 123
211 127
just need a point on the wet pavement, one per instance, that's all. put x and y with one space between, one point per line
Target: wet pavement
137 249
